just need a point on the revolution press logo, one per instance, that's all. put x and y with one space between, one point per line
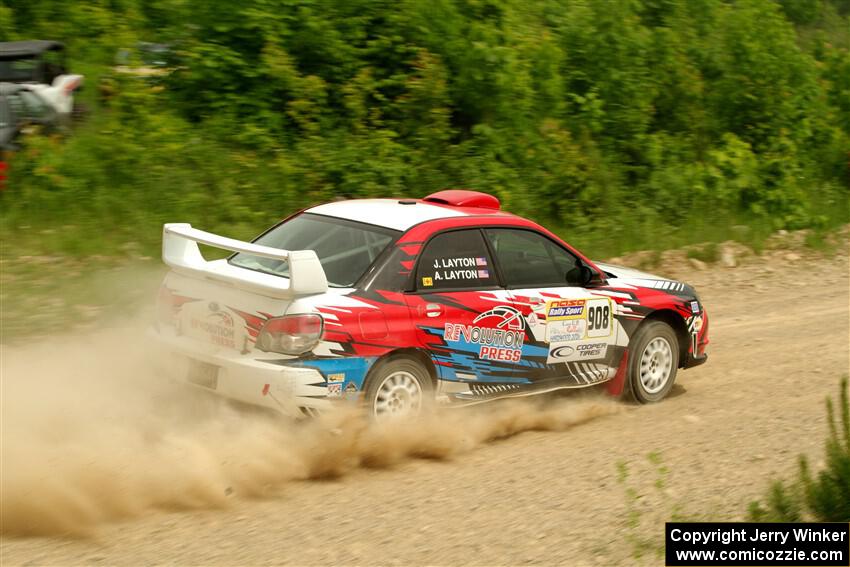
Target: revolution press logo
498 334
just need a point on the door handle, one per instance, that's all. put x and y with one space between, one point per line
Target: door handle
431 310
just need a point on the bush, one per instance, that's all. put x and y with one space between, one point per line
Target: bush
824 496
618 120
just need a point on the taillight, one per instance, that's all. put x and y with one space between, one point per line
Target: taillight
292 334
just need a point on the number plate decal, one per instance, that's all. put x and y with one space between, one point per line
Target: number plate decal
203 374
599 314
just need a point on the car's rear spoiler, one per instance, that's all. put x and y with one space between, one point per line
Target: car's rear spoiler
180 251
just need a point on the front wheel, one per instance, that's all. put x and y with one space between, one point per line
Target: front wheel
399 387
654 354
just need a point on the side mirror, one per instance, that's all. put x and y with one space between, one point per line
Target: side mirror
580 275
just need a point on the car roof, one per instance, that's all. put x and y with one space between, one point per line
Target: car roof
11 49
397 214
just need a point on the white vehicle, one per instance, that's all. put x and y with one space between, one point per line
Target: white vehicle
398 303
39 66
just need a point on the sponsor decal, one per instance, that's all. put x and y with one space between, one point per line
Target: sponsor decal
570 320
339 377
218 325
592 350
427 282
695 324
580 351
565 309
498 334
694 306
566 330
562 352
334 389
351 388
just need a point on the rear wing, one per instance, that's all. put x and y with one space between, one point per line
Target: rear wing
180 252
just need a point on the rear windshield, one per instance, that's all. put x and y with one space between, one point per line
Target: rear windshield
345 248
15 70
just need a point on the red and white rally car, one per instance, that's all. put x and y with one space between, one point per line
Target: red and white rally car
396 302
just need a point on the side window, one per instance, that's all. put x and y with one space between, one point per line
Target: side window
35 107
5 114
529 259
16 107
455 260
53 65
390 274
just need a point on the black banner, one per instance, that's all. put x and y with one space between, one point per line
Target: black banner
748 543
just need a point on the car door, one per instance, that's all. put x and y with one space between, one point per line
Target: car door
573 338
465 318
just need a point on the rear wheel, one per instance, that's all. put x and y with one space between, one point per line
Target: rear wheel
399 387
654 360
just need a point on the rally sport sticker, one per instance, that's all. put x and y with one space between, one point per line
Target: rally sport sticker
570 320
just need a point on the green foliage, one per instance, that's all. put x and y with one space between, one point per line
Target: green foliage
644 504
802 11
828 492
5 23
824 496
618 121
705 253
784 504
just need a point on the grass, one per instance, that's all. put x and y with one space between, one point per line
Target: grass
41 295
822 241
823 495
708 253
646 506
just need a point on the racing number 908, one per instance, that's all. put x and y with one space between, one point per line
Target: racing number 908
598 318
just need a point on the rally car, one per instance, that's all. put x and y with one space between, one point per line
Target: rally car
398 303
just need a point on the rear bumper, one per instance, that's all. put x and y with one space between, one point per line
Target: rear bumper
248 378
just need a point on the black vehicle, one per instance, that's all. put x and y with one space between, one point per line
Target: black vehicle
32 61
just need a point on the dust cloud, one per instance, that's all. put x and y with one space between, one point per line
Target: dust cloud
94 432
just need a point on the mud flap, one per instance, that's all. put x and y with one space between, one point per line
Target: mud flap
615 387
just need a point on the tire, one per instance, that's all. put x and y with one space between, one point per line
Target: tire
399 387
653 362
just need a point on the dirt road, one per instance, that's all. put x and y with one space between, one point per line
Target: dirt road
779 345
